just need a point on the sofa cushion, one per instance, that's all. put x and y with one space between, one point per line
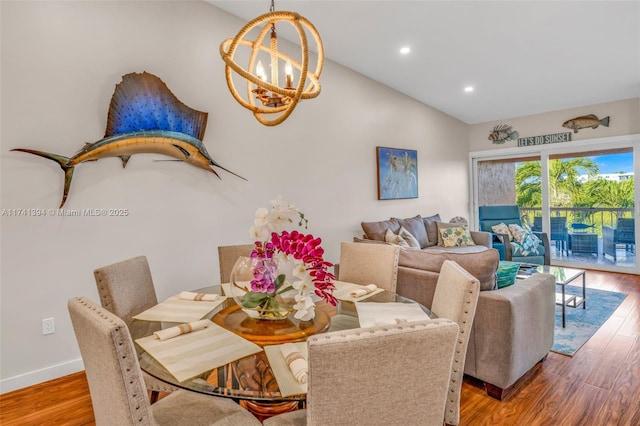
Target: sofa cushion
377 230
409 238
404 239
392 238
432 228
481 264
415 226
506 273
455 236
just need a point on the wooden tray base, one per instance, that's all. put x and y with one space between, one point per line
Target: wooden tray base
271 332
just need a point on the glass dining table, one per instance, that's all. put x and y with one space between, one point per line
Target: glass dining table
250 380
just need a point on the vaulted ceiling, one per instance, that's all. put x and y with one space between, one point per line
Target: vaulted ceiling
521 57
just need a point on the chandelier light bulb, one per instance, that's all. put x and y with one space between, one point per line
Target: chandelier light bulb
260 71
288 73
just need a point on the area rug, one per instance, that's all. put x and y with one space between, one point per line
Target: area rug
581 324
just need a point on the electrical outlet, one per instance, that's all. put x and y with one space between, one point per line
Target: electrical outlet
48 326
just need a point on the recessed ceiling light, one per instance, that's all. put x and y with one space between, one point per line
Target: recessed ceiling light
468 89
404 50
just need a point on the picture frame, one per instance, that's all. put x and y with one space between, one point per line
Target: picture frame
397 171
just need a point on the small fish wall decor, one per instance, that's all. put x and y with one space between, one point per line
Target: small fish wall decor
584 122
502 133
144 117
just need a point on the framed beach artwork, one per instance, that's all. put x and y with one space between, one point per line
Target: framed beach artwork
397 173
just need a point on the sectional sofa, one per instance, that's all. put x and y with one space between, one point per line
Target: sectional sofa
514 326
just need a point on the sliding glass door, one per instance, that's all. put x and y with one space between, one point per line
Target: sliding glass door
583 199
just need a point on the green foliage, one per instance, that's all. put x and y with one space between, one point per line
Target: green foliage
254 299
565 190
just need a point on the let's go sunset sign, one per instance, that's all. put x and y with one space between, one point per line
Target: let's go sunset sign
545 139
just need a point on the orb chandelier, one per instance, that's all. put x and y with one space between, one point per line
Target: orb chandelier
272 101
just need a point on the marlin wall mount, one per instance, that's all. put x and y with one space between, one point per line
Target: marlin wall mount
144 117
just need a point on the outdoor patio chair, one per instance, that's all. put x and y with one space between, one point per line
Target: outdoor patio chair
559 232
624 233
537 224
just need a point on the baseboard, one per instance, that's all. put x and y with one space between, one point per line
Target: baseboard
38 376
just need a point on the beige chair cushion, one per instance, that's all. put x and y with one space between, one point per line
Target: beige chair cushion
369 264
126 289
115 382
390 375
456 298
227 257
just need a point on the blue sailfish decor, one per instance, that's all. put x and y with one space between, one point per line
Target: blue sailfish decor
144 117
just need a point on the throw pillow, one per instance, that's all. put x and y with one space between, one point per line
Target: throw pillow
377 230
501 228
410 239
506 273
455 236
392 238
527 247
416 227
459 220
443 225
517 232
432 228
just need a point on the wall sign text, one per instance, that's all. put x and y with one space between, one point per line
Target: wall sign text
545 139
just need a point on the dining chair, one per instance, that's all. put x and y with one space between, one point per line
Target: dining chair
115 381
227 256
365 263
456 298
368 263
126 289
384 375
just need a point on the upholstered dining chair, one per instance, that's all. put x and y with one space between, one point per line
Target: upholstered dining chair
365 263
115 381
456 298
385 375
227 256
368 263
126 289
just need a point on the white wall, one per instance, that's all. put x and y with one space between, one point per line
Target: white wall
624 118
60 63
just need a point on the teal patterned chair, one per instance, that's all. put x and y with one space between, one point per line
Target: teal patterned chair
490 216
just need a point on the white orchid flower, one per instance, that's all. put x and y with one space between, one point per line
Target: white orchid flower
300 269
305 308
258 233
261 217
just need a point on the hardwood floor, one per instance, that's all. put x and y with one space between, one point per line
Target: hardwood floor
600 385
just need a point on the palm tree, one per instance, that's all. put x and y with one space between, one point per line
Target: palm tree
606 193
528 184
564 186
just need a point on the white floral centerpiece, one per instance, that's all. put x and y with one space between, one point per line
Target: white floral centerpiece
283 261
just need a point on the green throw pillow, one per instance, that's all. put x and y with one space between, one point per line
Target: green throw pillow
506 273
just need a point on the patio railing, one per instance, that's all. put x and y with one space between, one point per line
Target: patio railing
597 216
